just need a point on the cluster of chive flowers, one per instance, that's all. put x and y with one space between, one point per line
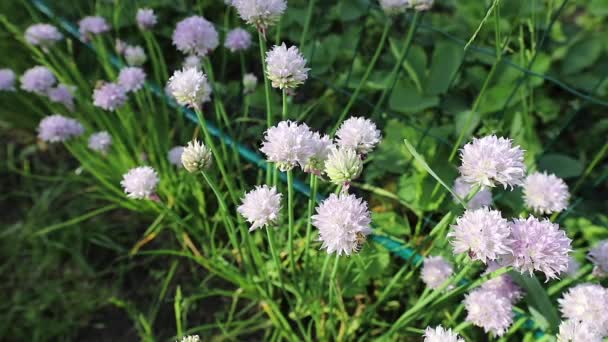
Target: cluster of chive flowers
41 81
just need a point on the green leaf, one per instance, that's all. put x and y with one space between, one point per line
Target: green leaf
405 98
561 165
447 58
581 55
537 299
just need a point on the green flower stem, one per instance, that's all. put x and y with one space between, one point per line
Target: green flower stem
284 114
311 5
219 162
290 218
275 256
262 43
311 207
368 71
332 280
397 67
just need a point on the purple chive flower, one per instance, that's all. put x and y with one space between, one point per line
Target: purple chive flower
286 68
195 35
483 233
490 160
132 78
90 26
539 246
238 40
135 55
58 128
599 257
501 286
140 182
483 198
109 96
587 303
38 80
175 155
261 207
435 271
288 144
343 222
492 313
100 142
146 19
573 266
358 133
545 193
43 35
63 94
260 13
7 80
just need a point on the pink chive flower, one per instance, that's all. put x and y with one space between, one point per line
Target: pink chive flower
63 94
132 78
43 35
100 142
146 19
38 80
261 207
140 182
109 96
195 35
545 193
286 68
492 313
359 134
58 128
91 26
238 40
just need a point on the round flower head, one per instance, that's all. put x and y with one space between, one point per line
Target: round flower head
260 13
545 194
599 257
43 35
175 155
392 7
37 80
492 313
343 222
238 40
196 157
435 271
131 78
100 142
135 55
491 160
483 233
483 198
321 147
286 68
343 165
501 286
250 82
58 128
422 5
539 245
288 144
192 61
576 331
359 134
439 334
191 338
587 303
195 35
140 182
63 94
146 19
189 87
90 26
7 80
109 96
261 207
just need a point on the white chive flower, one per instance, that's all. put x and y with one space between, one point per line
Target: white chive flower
422 5
343 222
545 193
175 155
435 271
191 338
100 142
286 68
599 257
359 134
43 35
196 157
140 182
260 13
237 40
490 160
483 198
587 303
576 331
38 80
343 165
538 246
195 35
439 334
250 82
146 19
261 207
132 78
135 55
483 233
288 144
190 87
321 147
492 313
392 7
58 128
501 286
